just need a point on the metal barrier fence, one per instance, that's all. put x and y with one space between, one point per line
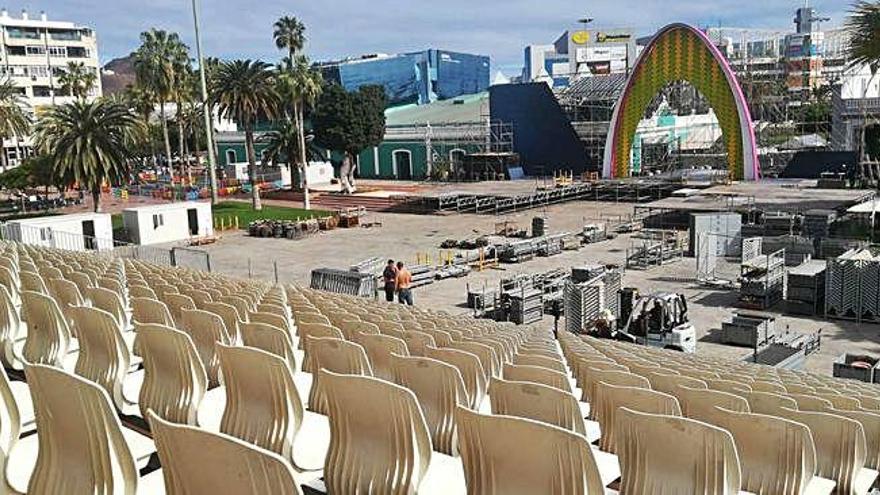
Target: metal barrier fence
49 237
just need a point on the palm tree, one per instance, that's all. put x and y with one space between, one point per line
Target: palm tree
289 33
14 119
282 143
89 142
78 80
300 85
157 62
142 101
863 25
244 91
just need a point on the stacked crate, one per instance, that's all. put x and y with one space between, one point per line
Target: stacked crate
817 223
806 288
762 281
851 286
344 282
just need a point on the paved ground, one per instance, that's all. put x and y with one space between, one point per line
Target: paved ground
402 236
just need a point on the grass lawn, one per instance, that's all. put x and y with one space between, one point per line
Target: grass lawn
116 220
229 209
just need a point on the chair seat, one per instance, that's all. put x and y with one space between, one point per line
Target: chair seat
211 409
445 476
22 395
820 486
23 457
312 442
609 467
864 480
151 484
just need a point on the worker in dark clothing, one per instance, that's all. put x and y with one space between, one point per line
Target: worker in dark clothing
389 277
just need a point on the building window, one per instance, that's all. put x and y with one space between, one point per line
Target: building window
158 220
77 52
65 34
230 157
46 234
16 51
26 33
58 51
32 50
402 163
42 91
37 71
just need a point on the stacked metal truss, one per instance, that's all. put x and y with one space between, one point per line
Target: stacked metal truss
583 303
852 286
344 282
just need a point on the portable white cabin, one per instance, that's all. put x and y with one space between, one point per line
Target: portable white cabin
168 222
75 232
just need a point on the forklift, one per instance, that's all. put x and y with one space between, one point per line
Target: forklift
659 320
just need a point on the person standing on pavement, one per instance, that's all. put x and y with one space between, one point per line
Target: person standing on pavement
389 277
404 284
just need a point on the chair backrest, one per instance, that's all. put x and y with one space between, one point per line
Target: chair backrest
730 386
174 377
704 459
308 331
103 356
65 292
416 342
207 330
537 374
198 461
699 403
611 377
176 304
230 317
669 384
767 386
141 291
471 370
146 310
10 329
769 403
810 402
379 439
270 339
608 400
379 349
538 402
272 319
439 389
508 455
263 406
870 421
109 301
48 335
82 449
542 361
33 282
840 445
337 356
842 402
487 356
241 305
776 455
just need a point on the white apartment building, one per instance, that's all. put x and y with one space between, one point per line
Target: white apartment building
33 53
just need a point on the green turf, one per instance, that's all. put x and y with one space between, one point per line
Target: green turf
230 209
116 220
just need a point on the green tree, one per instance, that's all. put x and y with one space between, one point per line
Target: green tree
157 63
89 142
299 86
77 79
289 34
14 119
245 91
863 25
349 122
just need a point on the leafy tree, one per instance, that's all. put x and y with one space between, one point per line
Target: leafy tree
89 142
14 120
244 91
157 64
349 121
16 178
863 25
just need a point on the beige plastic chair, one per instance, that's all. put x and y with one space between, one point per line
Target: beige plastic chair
308 331
177 303
272 319
581 368
32 281
417 341
206 329
230 317
730 386
488 359
104 356
810 403
175 381
840 449
870 422
537 374
668 454
471 370
10 330
196 461
270 339
82 445
439 389
241 304
700 404
146 310
263 406
611 377
140 291
770 387
514 456
380 441
610 398
338 356
769 403
537 402
379 349
842 402
65 293
669 384
542 361
48 336
776 455
110 302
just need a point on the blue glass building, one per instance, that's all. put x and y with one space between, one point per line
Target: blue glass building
416 77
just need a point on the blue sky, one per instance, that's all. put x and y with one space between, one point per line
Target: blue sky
337 28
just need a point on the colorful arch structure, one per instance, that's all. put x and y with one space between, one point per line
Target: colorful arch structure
682 52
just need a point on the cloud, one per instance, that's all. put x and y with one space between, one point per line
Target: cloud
339 28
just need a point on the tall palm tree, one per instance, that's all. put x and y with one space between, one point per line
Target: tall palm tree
14 118
143 102
89 142
245 91
282 143
300 85
157 62
184 95
863 25
77 79
290 34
